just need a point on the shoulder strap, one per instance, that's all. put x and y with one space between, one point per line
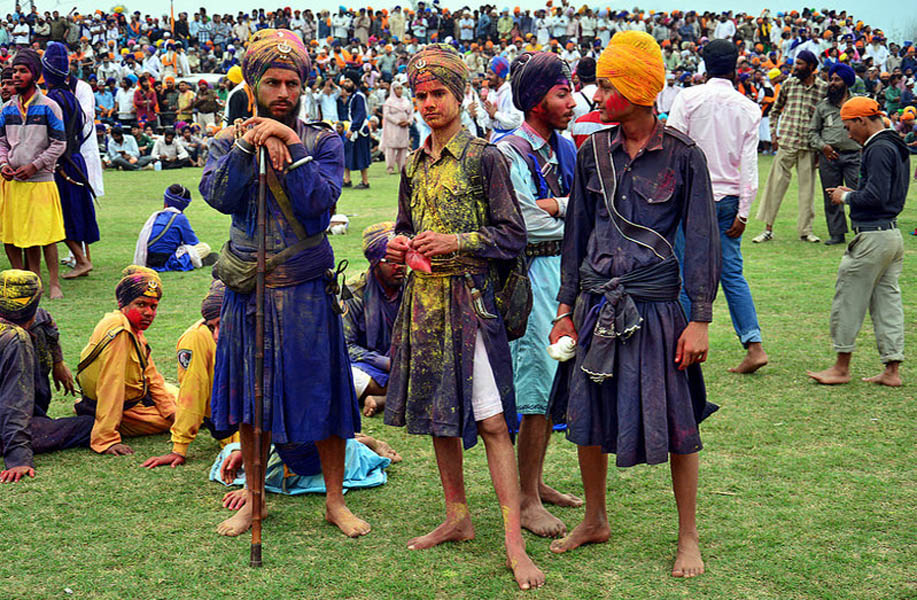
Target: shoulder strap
543 175
104 343
639 234
164 230
588 101
284 203
471 160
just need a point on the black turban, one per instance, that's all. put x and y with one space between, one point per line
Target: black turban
533 74
720 57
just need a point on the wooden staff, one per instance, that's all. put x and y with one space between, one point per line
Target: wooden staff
256 482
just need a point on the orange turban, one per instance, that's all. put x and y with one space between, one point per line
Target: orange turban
860 106
633 64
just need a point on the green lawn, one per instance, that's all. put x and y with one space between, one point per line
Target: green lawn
805 491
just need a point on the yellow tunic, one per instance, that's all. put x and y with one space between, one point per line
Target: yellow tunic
115 379
196 350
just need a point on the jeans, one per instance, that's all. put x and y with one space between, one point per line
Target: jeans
735 287
142 161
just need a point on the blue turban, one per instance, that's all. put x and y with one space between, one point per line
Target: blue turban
533 76
55 63
808 57
500 66
177 200
845 72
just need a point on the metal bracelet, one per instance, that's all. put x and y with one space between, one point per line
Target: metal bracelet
299 163
555 320
742 219
244 147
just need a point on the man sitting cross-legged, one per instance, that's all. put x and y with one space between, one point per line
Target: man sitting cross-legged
121 386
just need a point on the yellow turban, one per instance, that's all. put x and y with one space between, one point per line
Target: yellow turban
633 64
234 74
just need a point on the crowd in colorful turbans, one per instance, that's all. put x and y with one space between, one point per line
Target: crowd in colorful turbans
116 51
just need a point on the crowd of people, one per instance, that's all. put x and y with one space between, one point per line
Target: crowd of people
578 178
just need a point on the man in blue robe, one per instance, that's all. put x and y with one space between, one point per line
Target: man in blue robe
167 242
308 389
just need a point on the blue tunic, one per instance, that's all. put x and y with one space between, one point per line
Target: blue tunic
178 234
308 388
359 154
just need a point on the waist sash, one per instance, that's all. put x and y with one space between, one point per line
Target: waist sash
616 316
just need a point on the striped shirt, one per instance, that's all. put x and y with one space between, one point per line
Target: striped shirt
793 110
32 133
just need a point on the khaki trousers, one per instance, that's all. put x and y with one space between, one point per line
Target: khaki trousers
778 180
867 278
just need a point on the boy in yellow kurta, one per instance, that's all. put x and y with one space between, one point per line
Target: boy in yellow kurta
120 383
196 349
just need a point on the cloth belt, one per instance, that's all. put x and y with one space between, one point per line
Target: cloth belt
616 316
454 265
549 248
893 224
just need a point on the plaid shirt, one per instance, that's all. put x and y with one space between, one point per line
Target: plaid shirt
793 110
203 34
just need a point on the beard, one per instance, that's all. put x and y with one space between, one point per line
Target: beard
836 94
802 73
288 118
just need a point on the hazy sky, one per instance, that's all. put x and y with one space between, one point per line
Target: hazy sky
884 14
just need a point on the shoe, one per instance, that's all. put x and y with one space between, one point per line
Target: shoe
347 184
765 236
835 239
210 259
811 238
361 186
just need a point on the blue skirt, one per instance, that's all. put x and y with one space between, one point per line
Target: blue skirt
360 155
308 387
76 204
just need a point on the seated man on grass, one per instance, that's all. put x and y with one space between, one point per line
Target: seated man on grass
369 315
167 242
29 353
122 389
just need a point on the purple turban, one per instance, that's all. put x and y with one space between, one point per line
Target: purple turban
500 66
845 72
175 198
55 63
137 281
30 60
808 57
375 241
533 76
213 303
442 63
275 49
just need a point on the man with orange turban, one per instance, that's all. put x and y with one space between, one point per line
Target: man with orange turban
635 185
867 277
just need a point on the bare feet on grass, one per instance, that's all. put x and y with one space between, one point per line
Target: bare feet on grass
373 405
688 561
78 271
379 447
240 522
55 291
754 359
539 521
551 496
457 528
584 533
527 575
891 379
833 375
349 524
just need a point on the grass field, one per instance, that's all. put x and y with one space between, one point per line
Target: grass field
805 491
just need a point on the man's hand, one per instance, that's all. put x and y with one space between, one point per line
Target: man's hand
7 172
230 467
278 152
262 128
837 193
431 244
235 499
397 248
829 152
15 474
736 229
564 326
491 108
26 172
692 345
172 459
63 377
404 123
549 205
119 450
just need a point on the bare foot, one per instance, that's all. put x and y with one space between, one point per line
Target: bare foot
240 522
551 496
527 575
539 521
582 534
830 376
885 378
754 360
78 271
55 292
235 499
373 405
346 521
453 530
379 447
688 562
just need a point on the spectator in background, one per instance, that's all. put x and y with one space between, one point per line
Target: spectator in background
123 152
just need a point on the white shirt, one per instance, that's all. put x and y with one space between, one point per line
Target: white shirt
666 97
724 124
507 117
124 100
583 101
724 30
